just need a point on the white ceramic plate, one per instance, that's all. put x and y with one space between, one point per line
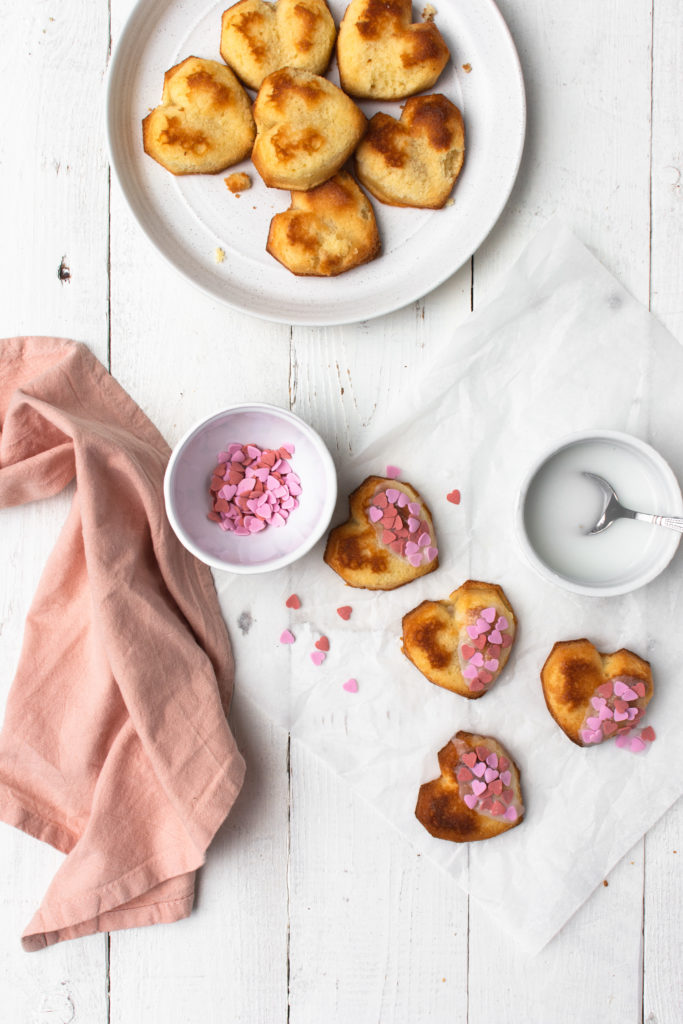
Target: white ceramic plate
188 218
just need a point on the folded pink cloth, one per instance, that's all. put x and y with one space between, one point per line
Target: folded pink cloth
115 747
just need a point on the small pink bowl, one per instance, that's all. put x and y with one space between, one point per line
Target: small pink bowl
189 472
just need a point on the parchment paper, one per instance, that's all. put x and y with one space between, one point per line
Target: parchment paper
562 348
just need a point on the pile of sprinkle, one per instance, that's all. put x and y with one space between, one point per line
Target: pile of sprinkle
398 520
252 488
480 653
485 783
614 711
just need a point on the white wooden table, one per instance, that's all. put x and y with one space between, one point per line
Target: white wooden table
309 909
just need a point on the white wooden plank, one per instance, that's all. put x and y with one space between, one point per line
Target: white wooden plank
54 188
663 903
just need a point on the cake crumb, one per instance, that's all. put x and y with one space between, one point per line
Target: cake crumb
605 883
467 68
450 202
429 12
219 255
238 182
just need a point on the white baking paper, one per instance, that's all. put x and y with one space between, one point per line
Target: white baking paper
562 348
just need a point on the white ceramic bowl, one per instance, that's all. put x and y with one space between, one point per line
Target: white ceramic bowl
188 475
556 505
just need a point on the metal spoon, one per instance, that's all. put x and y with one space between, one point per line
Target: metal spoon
612 509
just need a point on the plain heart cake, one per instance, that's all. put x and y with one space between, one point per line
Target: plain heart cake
326 231
306 130
258 38
388 539
478 794
413 161
204 121
382 55
594 696
463 643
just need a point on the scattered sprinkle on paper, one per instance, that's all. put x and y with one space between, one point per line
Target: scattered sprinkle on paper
286 637
351 686
345 611
454 497
318 657
293 601
467 68
393 472
323 644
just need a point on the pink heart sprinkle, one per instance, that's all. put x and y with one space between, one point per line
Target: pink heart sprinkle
471 800
478 787
492 760
392 494
640 689
605 712
632 713
502 623
476 686
479 769
496 637
506 777
620 687
629 694
609 728
411 547
431 553
415 560
402 499
636 745
490 774
623 740
413 524
424 539
414 508
454 497
593 723
472 632
604 690
393 472
469 672
470 759
489 614
648 734
507 640
374 514
491 665
482 625
511 813
463 774
318 657
477 659
466 651
480 643
598 702
345 611
620 716
351 686
286 637
380 500
485 677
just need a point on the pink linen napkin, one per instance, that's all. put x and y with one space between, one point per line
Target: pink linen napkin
115 747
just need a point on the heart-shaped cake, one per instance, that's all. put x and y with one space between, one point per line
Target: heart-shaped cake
326 231
258 38
463 643
416 160
204 121
306 129
388 539
593 696
477 795
382 55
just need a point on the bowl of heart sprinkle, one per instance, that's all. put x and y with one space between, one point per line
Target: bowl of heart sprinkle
253 488
250 488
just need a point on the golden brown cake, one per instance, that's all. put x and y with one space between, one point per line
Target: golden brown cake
463 643
388 539
258 38
383 56
594 696
416 160
478 794
204 121
326 231
306 130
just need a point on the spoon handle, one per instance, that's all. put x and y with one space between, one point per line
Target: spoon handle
670 522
